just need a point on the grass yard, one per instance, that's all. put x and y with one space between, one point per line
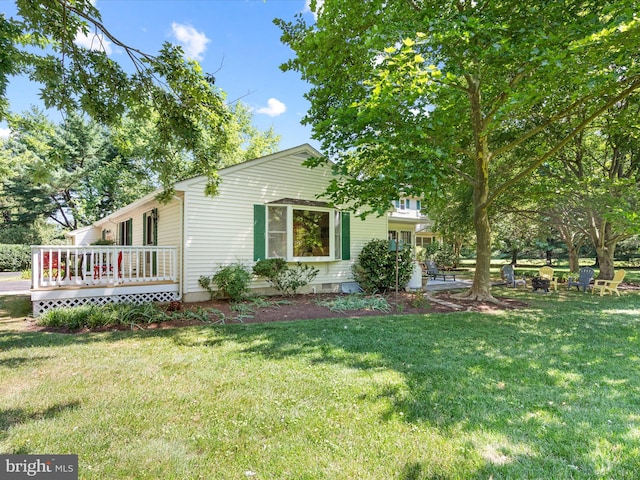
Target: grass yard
548 392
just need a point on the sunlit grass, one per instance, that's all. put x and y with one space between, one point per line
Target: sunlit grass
549 391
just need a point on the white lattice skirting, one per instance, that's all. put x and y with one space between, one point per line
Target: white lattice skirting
43 305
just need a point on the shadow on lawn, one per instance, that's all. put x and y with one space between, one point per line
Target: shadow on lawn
17 416
547 391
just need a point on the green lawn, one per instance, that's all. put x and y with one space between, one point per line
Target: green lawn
548 392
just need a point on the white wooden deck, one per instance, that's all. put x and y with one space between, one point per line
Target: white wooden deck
71 276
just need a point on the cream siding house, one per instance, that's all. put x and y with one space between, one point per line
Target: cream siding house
270 206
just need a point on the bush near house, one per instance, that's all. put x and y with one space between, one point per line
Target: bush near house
232 281
283 278
15 258
375 269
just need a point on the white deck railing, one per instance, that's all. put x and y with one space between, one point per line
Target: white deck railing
60 266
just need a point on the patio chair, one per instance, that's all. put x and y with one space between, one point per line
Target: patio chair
547 274
432 271
101 270
609 286
509 276
584 278
50 264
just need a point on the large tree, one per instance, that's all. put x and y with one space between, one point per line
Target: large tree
411 95
598 180
71 173
39 42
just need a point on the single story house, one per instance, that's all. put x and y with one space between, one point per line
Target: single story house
266 207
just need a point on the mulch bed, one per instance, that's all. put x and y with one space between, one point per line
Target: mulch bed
306 307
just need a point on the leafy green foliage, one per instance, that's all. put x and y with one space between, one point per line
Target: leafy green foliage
422 97
118 314
205 282
283 278
71 173
193 116
14 258
375 269
357 302
232 281
246 142
269 267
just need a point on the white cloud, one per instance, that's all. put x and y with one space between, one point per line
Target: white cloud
193 41
274 108
93 41
5 132
307 8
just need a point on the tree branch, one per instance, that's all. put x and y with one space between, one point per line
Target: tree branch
603 108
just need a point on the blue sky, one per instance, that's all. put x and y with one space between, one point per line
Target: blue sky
235 38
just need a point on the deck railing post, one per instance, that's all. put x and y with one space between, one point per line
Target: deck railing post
35 267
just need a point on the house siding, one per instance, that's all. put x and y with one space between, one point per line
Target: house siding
86 236
211 232
219 230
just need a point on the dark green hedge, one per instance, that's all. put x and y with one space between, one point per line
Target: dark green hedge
15 258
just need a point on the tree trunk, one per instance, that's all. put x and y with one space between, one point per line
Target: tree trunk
605 259
481 288
604 240
574 257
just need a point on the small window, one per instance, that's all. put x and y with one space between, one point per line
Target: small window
125 232
277 232
337 224
405 238
150 228
418 205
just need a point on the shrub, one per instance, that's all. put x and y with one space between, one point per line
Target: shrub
15 258
445 257
114 314
103 241
205 282
232 281
269 268
284 278
375 269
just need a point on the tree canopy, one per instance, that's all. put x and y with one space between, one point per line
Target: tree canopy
71 173
39 42
78 171
410 96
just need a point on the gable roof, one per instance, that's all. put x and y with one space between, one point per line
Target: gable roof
303 151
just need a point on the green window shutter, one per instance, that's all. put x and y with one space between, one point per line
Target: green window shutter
259 232
129 232
144 229
155 226
346 235
155 240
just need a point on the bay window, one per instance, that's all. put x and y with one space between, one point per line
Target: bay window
299 230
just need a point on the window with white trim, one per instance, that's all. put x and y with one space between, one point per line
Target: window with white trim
125 232
299 230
